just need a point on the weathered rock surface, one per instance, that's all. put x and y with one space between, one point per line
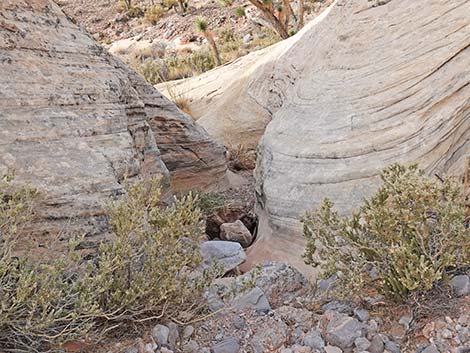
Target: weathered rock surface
365 84
460 285
255 298
235 102
280 282
237 232
226 254
383 84
75 122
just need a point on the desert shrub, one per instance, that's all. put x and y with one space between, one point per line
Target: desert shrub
227 34
240 12
226 3
145 273
168 4
211 202
39 304
179 98
241 158
16 208
125 4
407 237
135 11
264 39
175 67
153 14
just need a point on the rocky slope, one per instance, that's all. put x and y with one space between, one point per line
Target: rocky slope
279 313
75 122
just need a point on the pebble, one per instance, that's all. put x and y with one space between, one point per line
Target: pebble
160 334
173 336
446 333
188 332
376 344
392 347
302 349
239 322
255 299
333 349
361 314
191 347
362 344
313 339
430 349
228 345
460 285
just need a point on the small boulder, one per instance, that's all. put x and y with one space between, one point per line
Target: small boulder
228 345
280 282
173 335
223 253
361 314
362 344
191 347
160 334
430 349
255 299
343 330
377 345
390 346
236 232
460 285
333 349
314 339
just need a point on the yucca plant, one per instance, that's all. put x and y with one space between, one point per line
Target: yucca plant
202 27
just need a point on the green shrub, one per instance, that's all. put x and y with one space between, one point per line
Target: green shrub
227 34
135 11
404 239
211 202
174 67
240 12
226 3
265 39
144 274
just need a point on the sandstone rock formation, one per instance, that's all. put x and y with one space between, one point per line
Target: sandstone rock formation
384 83
235 102
366 84
75 122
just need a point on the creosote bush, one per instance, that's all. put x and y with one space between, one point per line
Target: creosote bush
407 237
144 274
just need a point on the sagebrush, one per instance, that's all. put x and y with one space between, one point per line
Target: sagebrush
146 273
406 238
